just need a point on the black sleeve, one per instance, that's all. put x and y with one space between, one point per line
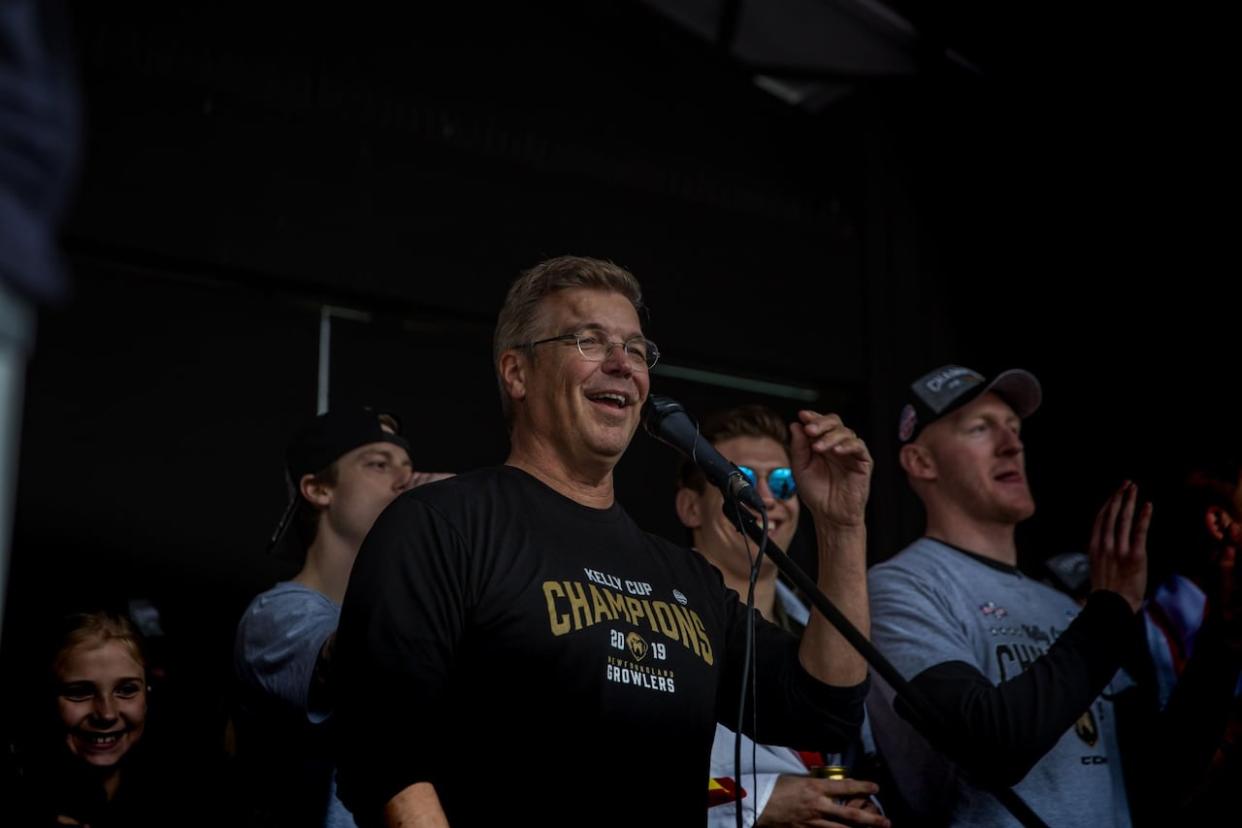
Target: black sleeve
402 619
794 708
1001 731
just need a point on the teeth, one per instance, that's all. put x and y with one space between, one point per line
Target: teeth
619 398
107 738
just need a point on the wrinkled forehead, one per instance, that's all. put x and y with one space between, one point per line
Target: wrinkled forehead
579 308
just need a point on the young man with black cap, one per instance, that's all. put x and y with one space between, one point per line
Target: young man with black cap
1016 669
346 466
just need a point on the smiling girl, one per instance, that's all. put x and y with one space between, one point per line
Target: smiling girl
101 695
95 772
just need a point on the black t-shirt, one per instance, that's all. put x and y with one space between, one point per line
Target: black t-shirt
534 658
158 787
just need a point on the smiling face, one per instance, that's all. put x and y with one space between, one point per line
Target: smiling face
101 698
714 535
585 412
979 461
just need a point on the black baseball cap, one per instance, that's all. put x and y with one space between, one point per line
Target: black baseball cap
323 440
332 434
950 387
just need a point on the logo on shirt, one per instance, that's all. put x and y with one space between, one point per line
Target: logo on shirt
604 598
646 636
655 675
1036 634
1087 729
992 611
637 647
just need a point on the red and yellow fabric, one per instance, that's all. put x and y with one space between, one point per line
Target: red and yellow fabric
721 790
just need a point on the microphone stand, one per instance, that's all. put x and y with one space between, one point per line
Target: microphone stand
924 716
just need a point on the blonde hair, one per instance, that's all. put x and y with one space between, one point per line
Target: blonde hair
99 628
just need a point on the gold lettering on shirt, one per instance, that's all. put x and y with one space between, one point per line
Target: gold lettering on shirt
636 609
664 617
651 621
578 605
560 622
617 601
685 628
602 610
575 605
707 644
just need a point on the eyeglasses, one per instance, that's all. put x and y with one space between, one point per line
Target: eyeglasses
780 481
595 346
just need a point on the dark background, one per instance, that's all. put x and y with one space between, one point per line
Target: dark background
1044 188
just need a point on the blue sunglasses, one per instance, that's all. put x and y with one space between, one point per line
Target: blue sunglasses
780 481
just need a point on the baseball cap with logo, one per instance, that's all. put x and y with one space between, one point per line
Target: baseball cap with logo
334 433
950 387
323 440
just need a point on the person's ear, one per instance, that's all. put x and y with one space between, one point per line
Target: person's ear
315 490
513 368
689 509
918 462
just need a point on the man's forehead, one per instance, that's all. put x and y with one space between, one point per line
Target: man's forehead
988 404
592 306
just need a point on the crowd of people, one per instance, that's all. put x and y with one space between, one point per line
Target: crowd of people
507 644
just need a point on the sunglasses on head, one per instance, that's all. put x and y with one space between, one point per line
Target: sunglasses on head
780 481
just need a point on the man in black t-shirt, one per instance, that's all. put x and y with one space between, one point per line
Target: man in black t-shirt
512 646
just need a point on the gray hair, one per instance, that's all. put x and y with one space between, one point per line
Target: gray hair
516 323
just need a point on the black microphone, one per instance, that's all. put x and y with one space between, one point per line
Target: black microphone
667 421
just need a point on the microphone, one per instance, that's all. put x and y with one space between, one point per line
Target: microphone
667 421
